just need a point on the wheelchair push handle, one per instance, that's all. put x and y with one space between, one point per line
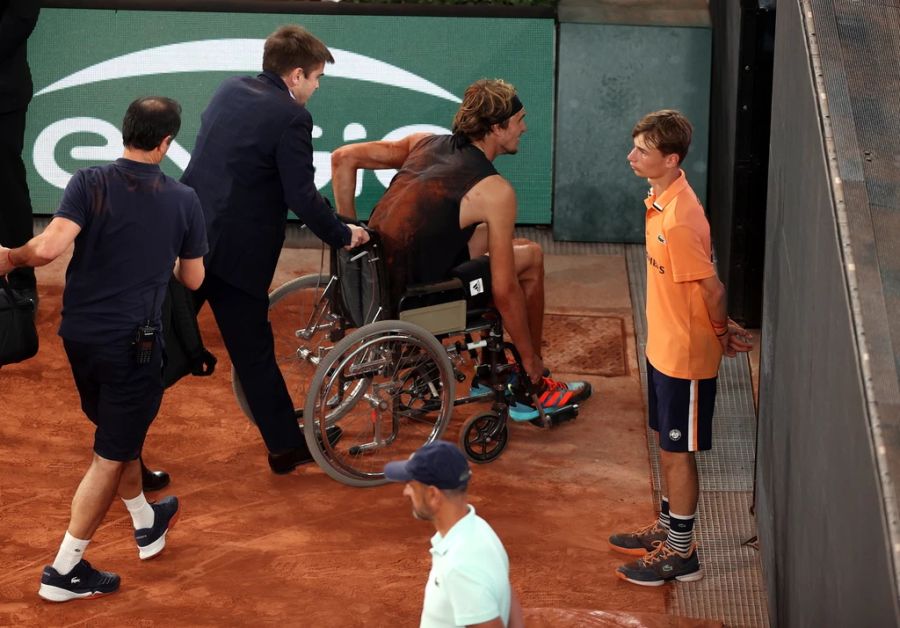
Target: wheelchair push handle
356 223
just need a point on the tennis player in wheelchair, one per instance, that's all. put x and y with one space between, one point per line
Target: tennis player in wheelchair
448 213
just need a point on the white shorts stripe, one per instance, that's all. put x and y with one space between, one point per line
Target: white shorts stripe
692 416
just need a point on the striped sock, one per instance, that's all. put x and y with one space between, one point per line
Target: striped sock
664 513
681 532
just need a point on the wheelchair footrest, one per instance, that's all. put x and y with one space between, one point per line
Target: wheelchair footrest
566 413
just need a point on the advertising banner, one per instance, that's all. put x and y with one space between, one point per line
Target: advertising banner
393 75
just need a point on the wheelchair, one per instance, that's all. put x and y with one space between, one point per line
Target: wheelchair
385 373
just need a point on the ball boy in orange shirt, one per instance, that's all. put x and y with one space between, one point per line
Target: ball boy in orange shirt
688 331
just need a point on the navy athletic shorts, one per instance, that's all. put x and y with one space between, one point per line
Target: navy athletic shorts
681 410
118 395
475 275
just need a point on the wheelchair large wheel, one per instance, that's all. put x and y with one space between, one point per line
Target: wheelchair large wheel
484 437
291 310
406 400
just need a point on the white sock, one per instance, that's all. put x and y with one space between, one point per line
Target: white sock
142 514
70 553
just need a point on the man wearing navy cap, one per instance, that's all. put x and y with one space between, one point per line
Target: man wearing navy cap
469 580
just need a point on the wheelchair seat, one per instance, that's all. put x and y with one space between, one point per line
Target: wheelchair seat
363 294
438 307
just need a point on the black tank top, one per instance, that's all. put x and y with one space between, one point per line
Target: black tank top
418 216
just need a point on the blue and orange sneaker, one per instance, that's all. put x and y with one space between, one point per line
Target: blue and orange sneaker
480 382
481 386
553 396
661 565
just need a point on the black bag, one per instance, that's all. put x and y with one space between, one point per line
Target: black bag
18 335
363 289
185 353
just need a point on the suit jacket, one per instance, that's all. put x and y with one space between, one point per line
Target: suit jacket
17 20
252 161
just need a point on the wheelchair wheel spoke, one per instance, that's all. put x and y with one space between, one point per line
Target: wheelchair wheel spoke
405 402
291 308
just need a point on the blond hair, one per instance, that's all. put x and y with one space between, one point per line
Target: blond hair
486 102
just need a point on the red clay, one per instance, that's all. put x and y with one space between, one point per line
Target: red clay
256 549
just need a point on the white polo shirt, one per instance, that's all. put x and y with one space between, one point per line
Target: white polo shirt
469 579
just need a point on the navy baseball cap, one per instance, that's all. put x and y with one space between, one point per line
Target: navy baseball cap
439 464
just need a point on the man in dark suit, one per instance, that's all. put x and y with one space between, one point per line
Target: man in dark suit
17 20
251 163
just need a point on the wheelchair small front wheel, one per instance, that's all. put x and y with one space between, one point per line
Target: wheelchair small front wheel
484 437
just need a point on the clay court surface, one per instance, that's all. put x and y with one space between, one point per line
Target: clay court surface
252 548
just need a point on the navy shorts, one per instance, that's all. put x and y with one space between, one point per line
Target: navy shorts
681 410
118 395
475 275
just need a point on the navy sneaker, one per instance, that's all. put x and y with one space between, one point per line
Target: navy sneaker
81 583
151 541
639 542
662 564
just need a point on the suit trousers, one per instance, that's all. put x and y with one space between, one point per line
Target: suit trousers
243 321
16 222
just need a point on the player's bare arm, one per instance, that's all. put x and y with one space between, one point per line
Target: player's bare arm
348 159
493 202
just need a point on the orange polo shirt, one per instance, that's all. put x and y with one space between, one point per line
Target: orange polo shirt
680 338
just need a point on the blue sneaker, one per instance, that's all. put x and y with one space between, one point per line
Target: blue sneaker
151 541
553 397
661 565
480 389
81 583
641 541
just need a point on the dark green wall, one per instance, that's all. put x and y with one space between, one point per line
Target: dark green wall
610 76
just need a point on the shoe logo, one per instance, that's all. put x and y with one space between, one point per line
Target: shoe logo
667 568
674 434
661 239
476 286
76 580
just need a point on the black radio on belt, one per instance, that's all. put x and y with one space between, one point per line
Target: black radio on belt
144 338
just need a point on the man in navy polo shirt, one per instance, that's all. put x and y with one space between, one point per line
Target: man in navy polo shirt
130 223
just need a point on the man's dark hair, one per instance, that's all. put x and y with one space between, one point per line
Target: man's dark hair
149 120
292 47
667 130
